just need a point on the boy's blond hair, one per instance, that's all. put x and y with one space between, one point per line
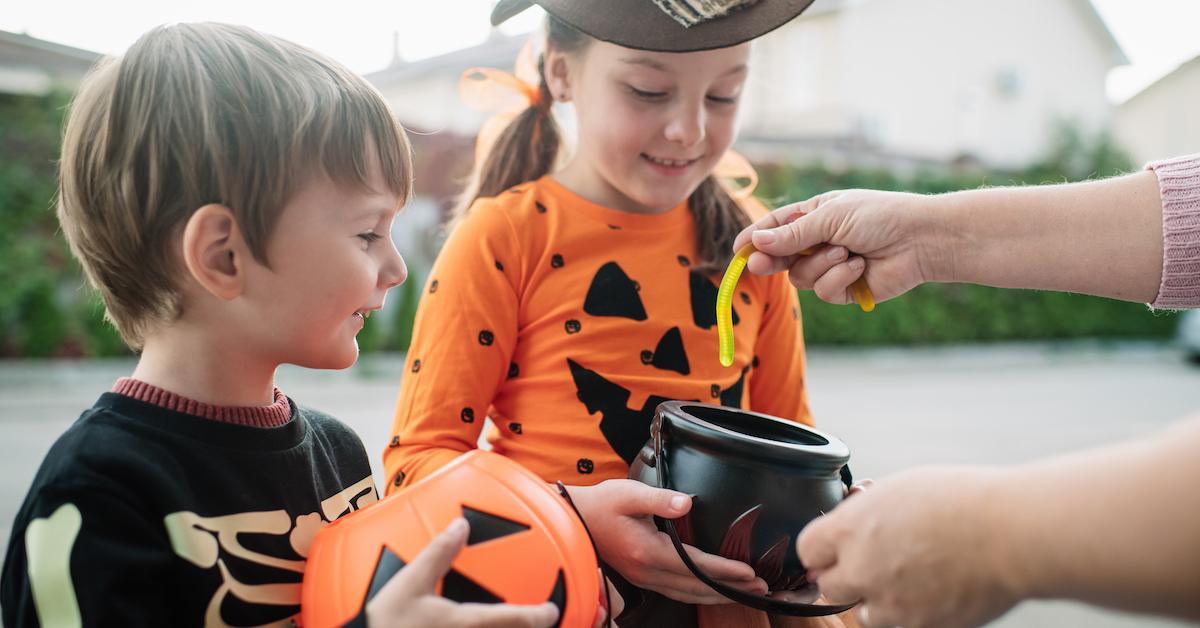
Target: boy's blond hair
195 114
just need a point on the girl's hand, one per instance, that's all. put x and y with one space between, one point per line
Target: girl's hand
619 514
408 599
889 236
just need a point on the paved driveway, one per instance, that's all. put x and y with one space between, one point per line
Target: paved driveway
895 408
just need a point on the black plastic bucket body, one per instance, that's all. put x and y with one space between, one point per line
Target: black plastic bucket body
757 480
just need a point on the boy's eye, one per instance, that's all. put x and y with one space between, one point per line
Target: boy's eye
646 94
724 100
369 236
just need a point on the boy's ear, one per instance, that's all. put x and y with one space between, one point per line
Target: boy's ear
214 252
557 71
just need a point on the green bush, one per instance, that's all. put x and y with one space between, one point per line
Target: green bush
956 313
406 312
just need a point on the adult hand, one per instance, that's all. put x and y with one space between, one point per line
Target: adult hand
919 549
829 241
409 598
620 513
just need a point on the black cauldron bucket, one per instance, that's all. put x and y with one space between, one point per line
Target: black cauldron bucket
757 480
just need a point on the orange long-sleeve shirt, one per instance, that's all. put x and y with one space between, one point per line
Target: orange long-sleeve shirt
567 323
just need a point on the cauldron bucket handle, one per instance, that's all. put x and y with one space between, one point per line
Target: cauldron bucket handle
761 602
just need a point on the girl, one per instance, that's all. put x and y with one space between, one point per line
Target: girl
571 299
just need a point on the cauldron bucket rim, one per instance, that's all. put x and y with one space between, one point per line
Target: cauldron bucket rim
832 450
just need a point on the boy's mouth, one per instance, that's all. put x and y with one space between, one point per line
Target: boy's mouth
363 314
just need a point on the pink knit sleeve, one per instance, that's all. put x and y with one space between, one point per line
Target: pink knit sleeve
1179 186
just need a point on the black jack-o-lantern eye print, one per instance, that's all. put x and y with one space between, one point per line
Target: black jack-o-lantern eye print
669 354
573 326
541 209
499 266
585 466
513 370
514 427
745 298
395 442
467 415
416 366
556 261
613 293
486 338
715 391
683 261
433 286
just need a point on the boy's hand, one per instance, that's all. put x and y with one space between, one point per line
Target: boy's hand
619 515
408 599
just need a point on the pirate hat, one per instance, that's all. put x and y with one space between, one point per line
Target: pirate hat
665 25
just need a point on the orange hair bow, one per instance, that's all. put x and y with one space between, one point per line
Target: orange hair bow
730 172
506 94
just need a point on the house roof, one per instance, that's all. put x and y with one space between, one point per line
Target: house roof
499 50
1097 22
1186 65
48 47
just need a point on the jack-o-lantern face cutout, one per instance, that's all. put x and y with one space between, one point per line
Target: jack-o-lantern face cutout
526 545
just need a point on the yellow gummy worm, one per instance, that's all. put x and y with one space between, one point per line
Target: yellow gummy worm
862 296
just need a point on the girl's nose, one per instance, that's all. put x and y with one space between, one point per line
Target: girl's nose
686 126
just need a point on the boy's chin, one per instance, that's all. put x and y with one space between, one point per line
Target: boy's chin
332 362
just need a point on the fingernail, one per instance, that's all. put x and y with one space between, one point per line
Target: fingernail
458 526
857 263
836 253
764 237
678 502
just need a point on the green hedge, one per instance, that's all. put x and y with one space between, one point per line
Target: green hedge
955 313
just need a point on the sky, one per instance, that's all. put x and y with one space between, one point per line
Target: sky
1156 35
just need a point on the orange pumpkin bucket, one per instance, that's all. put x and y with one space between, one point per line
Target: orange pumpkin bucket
526 546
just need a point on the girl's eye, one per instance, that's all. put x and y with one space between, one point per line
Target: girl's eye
647 95
723 100
369 236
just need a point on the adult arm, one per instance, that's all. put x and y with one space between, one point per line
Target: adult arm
1135 238
1116 526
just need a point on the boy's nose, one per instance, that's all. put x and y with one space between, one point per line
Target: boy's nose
394 270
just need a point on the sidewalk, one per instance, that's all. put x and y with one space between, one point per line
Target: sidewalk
895 408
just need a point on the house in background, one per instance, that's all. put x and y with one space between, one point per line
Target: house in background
424 93
871 82
921 81
35 67
1163 120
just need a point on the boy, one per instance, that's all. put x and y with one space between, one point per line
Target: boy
231 195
